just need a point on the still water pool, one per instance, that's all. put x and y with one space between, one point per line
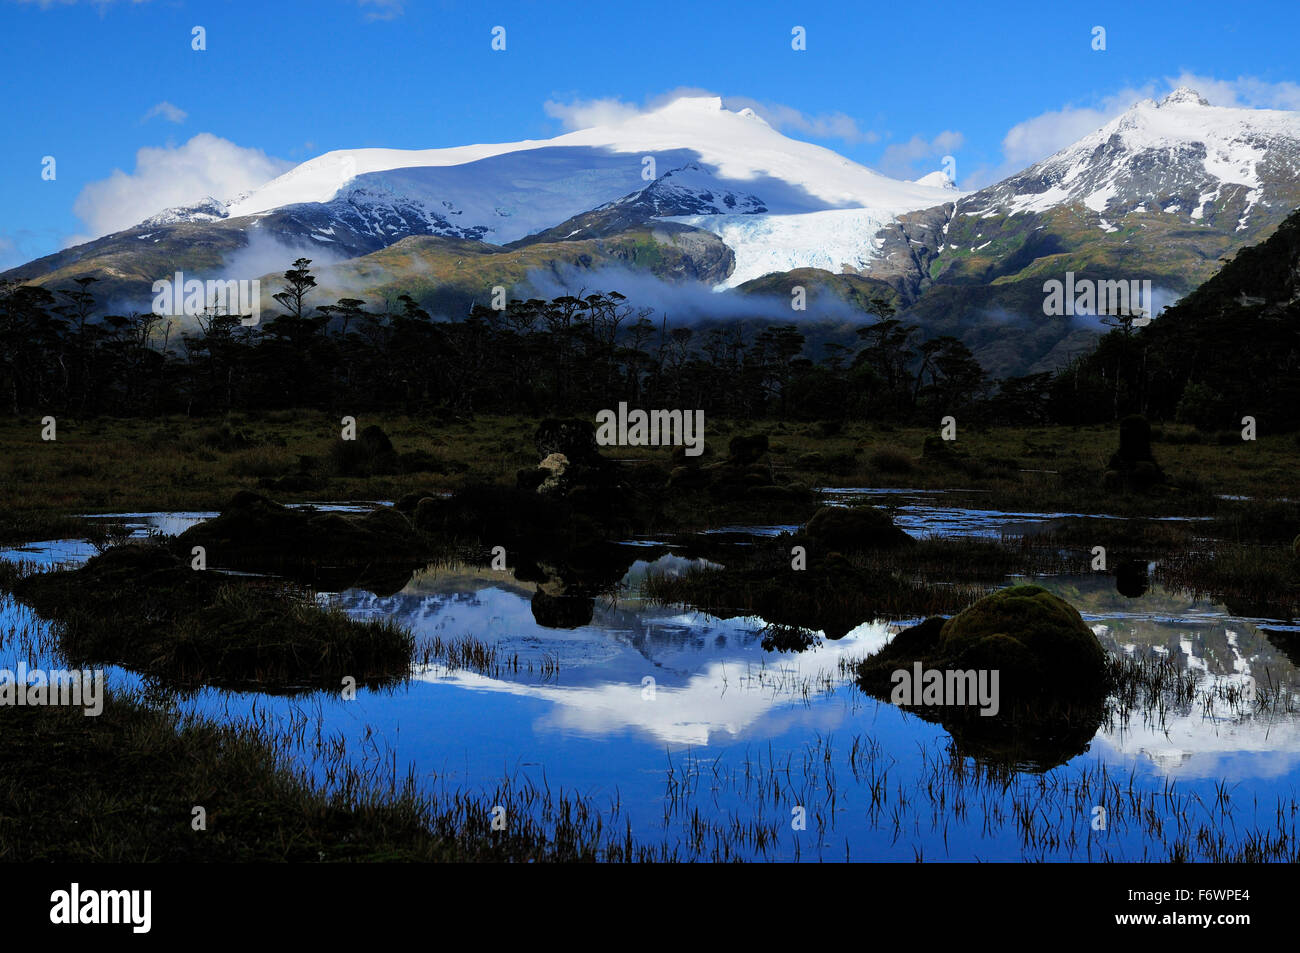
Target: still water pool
682 725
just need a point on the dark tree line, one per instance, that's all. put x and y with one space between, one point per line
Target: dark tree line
572 354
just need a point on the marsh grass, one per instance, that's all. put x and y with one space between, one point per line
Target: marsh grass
180 463
23 526
122 788
139 607
1250 579
921 805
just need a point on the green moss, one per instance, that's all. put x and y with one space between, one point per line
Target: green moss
1038 640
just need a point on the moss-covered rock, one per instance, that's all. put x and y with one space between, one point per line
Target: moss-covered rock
746 449
855 528
1039 642
1052 676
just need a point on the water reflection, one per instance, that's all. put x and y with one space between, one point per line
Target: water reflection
603 688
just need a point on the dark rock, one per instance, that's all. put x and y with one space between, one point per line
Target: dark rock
254 533
1052 676
855 528
1131 578
744 450
938 450
1133 466
562 612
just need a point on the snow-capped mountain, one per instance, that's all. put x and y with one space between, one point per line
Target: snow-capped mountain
691 157
1180 155
206 209
694 191
1161 192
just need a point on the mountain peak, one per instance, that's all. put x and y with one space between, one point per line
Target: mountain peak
1184 95
692 104
938 180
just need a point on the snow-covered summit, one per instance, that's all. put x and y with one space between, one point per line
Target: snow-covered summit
535 184
1184 94
937 179
1179 154
207 209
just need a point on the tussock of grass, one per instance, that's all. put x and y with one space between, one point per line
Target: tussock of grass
142 608
122 787
1250 580
22 526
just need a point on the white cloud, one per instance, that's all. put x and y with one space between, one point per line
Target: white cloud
1039 137
900 159
1244 91
834 125
168 111
206 165
387 9
585 113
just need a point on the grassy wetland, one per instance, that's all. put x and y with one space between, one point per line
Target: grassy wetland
635 680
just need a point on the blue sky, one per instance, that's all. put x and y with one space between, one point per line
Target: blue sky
137 120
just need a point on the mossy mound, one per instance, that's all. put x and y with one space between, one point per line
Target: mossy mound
255 533
145 608
371 454
855 528
1051 669
1039 642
